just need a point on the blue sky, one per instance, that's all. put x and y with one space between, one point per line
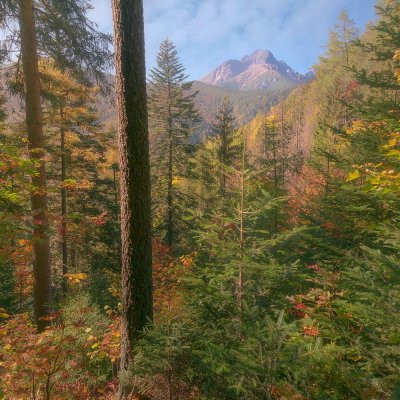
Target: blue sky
208 32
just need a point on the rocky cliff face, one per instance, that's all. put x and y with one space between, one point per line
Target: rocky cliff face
260 70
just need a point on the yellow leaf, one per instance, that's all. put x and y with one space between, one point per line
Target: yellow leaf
76 278
392 143
176 180
353 176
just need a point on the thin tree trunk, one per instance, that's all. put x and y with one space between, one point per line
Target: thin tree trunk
298 129
170 210
241 233
282 145
73 258
137 304
224 162
64 233
41 241
328 173
276 181
275 157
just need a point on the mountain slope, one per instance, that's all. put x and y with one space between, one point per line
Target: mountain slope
246 104
258 71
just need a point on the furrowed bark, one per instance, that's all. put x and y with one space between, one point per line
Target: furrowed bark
34 124
137 304
64 226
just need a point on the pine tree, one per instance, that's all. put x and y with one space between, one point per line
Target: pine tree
172 118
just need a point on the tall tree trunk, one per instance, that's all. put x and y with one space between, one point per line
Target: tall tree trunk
41 242
224 145
240 284
170 195
170 205
64 227
137 302
276 180
282 144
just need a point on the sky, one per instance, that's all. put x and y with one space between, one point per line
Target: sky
209 32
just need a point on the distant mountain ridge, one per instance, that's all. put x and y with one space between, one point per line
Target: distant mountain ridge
258 71
246 103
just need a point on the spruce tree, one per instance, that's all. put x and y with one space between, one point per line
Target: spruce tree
204 182
172 118
224 129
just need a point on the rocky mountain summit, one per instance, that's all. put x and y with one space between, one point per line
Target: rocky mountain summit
258 71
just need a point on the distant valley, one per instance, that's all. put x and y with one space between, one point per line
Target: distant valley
253 85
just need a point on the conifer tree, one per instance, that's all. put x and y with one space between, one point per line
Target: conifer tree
204 179
277 161
223 128
59 30
172 118
335 82
354 238
34 123
213 168
136 275
68 107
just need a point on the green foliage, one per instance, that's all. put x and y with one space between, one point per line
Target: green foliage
290 289
172 117
166 352
64 34
321 299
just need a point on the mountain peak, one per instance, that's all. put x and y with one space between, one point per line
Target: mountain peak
257 71
259 57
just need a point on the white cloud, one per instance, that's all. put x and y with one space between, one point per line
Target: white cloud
208 32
